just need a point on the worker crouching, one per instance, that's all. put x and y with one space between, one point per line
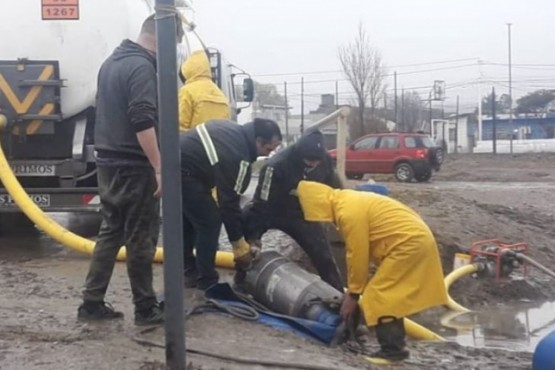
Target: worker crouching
380 230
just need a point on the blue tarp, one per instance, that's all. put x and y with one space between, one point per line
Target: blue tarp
223 293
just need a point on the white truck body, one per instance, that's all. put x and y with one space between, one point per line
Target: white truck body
49 60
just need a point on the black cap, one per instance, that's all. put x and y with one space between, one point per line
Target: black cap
311 146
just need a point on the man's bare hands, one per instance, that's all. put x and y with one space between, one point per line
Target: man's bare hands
158 192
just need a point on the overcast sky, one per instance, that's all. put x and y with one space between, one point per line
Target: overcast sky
294 38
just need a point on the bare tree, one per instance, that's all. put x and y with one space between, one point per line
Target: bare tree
363 67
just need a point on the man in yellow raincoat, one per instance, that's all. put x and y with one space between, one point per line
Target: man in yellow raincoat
380 230
200 99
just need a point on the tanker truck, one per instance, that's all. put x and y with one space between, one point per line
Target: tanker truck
50 56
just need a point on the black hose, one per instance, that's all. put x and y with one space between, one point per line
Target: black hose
243 360
239 311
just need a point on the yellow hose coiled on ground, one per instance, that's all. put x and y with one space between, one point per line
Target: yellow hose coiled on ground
59 233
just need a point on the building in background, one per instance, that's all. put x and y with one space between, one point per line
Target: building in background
291 127
460 132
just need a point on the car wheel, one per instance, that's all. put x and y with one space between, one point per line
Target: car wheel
424 176
404 172
440 156
355 176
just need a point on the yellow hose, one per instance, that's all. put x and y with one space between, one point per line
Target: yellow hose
417 331
454 276
59 233
413 329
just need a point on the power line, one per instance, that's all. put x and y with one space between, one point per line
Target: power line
353 92
386 75
385 67
519 65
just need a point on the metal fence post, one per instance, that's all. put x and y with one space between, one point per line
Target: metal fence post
342 142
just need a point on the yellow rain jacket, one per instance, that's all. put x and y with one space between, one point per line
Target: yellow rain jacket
200 99
380 230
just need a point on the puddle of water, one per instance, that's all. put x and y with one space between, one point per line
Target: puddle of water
518 328
21 240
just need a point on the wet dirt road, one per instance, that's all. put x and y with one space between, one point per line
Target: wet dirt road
40 284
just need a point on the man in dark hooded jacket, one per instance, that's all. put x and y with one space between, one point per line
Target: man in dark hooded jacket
275 205
129 183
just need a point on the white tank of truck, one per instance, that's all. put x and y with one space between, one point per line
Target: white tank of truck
50 54
79 34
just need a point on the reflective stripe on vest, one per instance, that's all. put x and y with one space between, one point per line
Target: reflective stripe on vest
267 183
243 168
207 144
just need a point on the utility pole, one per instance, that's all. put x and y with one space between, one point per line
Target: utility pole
494 121
169 146
403 124
510 84
443 121
286 114
457 128
385 105
395 84
336 95
430 100
479 108
302 105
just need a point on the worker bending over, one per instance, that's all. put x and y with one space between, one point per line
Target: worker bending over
274 206
382 231
218 154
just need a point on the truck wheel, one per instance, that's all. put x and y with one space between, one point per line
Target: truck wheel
424 176
404 172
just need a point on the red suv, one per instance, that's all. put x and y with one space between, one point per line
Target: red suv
408 156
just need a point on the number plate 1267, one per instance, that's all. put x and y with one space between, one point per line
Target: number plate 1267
60 9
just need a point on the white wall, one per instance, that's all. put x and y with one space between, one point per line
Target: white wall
519 146
463 140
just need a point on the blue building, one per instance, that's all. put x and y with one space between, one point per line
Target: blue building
527 128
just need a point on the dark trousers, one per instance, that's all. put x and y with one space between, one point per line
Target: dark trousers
311 237
201 230
130 217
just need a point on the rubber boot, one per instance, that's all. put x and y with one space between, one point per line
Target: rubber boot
390 333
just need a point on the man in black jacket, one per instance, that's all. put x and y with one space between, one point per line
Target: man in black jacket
129 185
275 206
218 154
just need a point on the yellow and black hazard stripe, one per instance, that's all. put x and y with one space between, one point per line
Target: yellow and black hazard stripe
23 106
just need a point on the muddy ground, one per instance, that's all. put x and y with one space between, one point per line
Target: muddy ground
472 198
